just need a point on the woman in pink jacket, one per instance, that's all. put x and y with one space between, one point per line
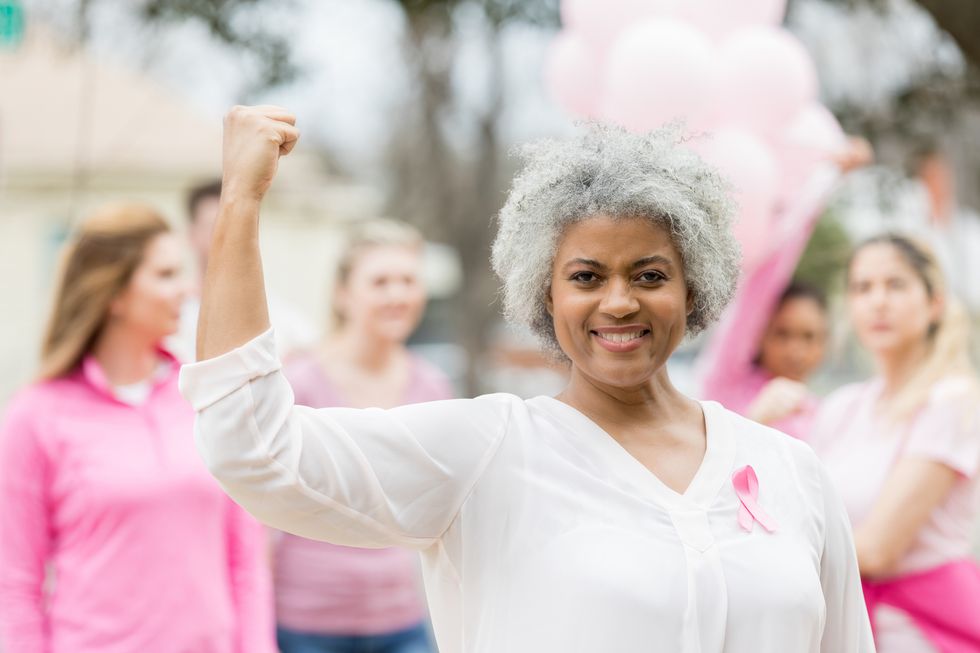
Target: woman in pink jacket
903 449
113 537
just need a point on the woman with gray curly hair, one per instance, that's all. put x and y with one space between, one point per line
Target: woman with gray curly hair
619 516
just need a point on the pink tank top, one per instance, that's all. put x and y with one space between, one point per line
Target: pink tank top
338 590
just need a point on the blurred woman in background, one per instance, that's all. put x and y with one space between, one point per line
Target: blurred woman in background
904 450
771 389
113 536
338 599
774 334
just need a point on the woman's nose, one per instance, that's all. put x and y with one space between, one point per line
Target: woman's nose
618 300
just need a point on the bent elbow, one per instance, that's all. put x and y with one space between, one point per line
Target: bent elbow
876 561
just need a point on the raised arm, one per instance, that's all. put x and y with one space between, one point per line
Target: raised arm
355 477
233 304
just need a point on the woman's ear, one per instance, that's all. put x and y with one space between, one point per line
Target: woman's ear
117 306
339 300
690 302
549 303
937 307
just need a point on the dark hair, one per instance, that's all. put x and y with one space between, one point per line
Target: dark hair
803 290
199 193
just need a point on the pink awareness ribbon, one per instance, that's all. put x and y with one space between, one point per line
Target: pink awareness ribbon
746 485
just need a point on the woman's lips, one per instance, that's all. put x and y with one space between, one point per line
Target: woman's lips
620 339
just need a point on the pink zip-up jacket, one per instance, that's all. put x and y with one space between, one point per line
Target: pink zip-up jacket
113 536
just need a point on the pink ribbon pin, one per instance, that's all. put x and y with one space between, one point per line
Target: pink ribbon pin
746 485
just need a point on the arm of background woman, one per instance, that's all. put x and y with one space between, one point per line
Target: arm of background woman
25 531
913 489
847 628
233 303
942 447
251 583
728 357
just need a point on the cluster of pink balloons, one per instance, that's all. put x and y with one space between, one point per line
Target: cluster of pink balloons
724 67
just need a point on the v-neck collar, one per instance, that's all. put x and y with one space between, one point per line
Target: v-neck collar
712 474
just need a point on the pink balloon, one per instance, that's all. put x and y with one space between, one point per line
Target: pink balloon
570 12
815 131
812 137
721 18
749 166
766 77
657 72
571 75
601 21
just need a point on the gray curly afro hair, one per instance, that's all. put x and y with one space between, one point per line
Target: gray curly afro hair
605 170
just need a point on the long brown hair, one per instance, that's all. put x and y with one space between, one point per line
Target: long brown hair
97 264
948 338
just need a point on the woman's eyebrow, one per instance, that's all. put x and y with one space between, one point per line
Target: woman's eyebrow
584 261
656 259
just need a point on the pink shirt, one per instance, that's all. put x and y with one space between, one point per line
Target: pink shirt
142 550
727 366
340 590
859 449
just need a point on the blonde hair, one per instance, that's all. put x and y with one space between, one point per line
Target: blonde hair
948 353
97 264
362 236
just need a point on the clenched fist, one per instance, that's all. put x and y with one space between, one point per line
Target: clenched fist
779 399
254 139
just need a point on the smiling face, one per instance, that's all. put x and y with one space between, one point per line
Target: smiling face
383 296
890 306
618 299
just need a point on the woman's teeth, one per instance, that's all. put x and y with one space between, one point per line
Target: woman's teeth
621 337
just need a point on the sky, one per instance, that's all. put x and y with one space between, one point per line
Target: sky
354 77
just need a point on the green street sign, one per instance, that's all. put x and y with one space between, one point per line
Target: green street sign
11 23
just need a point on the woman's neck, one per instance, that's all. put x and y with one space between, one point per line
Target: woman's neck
372 355
896 367
654 401
125 356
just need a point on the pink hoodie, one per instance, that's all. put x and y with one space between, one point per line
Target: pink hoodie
113 536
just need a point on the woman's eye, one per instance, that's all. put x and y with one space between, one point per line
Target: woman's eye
896 284
651 277
584 277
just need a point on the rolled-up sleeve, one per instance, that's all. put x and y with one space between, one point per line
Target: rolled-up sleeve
367 477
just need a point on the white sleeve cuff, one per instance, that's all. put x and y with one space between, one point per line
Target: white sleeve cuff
208 381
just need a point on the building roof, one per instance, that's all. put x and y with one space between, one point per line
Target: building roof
62 108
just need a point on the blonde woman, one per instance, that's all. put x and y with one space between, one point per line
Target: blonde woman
904 450
340 599
101 485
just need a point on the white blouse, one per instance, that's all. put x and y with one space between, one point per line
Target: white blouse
538 532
